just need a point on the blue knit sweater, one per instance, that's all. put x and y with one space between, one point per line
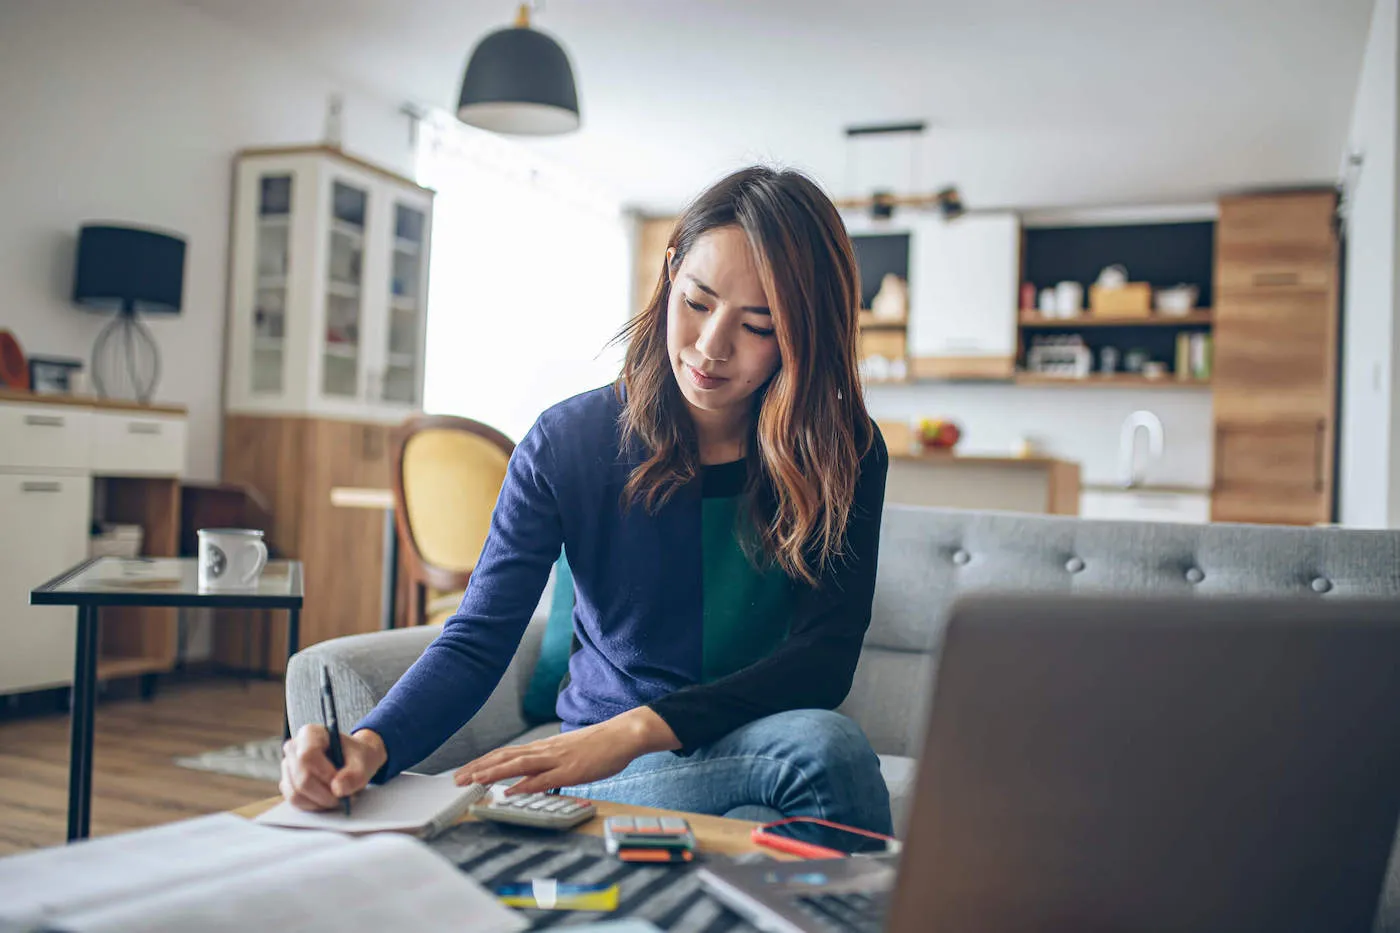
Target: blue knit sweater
638 601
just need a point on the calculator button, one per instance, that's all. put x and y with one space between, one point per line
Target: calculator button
554 806
672 825
648 823
537 805
569 809
518 803
622 824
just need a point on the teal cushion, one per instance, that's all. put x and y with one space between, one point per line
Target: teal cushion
543 691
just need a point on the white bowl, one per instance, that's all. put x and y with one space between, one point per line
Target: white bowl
1178 301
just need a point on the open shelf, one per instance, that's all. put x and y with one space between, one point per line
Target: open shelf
1197 318
343 351
1111 381
406 247
343 289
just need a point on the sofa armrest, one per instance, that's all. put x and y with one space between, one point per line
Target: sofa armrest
364 667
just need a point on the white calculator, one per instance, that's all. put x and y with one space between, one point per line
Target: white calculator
540 811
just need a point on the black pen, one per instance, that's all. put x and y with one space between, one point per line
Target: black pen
336 754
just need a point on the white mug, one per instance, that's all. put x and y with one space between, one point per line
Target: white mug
230 558
1069 298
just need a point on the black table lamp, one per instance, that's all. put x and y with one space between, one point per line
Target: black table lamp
126 270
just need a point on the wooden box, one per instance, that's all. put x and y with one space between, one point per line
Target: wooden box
891 344
1131 300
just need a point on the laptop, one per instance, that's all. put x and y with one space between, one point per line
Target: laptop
1109 764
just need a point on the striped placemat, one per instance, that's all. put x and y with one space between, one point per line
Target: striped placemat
669 896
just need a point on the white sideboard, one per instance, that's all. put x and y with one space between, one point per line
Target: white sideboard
55 454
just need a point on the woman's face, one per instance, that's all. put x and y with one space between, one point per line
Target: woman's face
719 332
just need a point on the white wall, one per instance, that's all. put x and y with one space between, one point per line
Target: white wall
1370 487
1077 423
132 112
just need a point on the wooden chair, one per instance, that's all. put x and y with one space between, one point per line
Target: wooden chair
448 473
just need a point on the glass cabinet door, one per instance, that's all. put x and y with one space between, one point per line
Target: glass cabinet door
340 369
272 245
402 363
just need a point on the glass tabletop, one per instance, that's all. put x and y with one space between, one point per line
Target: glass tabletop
166 581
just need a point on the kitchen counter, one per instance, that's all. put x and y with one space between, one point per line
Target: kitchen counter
1038 484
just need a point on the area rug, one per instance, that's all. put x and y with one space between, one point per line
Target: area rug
260 760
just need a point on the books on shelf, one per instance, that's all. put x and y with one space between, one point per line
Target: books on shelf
1193 356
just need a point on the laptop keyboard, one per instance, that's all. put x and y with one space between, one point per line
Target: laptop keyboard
849 913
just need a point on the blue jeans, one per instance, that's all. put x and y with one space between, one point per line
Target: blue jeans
807 762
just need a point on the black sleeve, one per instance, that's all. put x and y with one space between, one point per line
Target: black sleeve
813 667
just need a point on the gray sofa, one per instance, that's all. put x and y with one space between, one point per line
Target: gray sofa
928 557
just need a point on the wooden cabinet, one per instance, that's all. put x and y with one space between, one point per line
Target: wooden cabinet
1274 354
653 235
293 463
1276 472
327 287
1275 366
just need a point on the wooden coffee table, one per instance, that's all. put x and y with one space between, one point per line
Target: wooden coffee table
712 833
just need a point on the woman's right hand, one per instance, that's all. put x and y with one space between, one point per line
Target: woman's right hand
311 782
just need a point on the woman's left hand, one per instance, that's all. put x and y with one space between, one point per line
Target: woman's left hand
572 758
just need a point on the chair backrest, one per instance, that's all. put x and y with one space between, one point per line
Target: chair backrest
448 473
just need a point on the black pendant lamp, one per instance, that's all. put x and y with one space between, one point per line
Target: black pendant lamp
519 82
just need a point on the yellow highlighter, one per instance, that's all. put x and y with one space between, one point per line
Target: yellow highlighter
548 894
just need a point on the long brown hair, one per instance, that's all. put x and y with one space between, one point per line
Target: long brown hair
810 427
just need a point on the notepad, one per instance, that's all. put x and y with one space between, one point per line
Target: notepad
223 874
421 805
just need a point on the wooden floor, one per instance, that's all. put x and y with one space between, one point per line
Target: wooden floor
135 779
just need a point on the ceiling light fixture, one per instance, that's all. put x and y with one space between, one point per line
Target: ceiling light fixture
519 82
882 203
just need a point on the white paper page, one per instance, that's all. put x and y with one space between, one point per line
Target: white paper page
407 804
370 885
66 878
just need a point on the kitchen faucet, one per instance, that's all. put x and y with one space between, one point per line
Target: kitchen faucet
1129 469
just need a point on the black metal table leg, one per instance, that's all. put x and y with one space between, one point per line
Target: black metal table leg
81 725
293 642
390 580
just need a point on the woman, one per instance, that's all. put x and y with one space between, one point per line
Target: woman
720 511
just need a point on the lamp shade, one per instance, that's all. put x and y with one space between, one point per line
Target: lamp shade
519 82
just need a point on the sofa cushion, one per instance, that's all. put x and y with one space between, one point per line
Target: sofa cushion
542 693
898 773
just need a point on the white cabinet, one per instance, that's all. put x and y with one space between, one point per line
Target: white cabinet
328 287
51 437
60 461
1146 506
964 276
125 444
47 515
966 273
